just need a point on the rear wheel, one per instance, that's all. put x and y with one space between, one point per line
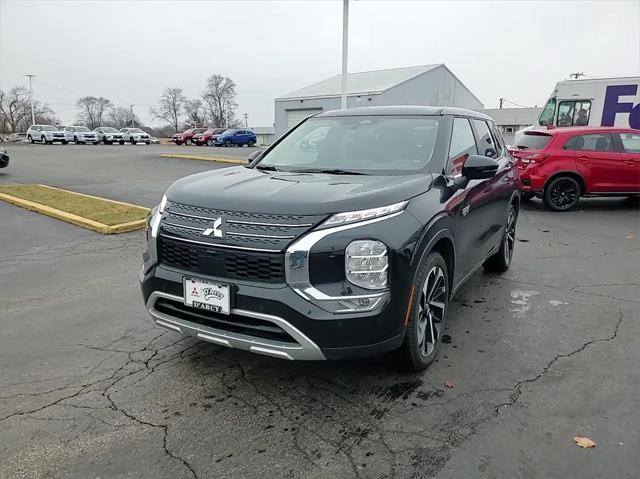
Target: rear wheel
429 301
210 142
501 261
133 142
64 142
228 143
562 194
122 142
251 143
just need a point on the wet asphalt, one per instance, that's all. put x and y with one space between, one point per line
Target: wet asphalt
90 388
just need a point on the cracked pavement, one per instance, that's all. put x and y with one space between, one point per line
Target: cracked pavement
549 350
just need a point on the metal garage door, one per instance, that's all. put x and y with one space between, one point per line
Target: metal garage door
296 116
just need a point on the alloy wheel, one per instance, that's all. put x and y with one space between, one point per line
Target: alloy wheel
510 237
564 194
431 310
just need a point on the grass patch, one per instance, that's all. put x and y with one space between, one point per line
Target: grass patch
100 210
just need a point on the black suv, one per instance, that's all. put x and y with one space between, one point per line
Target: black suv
347 237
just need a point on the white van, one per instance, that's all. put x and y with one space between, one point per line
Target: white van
592 102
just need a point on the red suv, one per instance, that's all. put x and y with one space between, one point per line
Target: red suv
186 137
208 137
560 165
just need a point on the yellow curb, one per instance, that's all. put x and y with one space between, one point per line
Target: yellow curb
205 158
75 219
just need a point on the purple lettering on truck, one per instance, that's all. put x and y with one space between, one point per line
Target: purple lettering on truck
612 106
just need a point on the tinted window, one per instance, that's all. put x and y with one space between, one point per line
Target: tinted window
533 140
546 117
497 139
572 113
486 146
593 142
462 144
630 142
367 144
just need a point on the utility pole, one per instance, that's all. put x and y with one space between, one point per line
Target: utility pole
345 49
576 75
33 114
246 121
501 100
133 122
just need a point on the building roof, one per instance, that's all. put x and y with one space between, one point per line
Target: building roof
361 83
513 116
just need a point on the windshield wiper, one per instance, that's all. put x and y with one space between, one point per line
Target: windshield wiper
266 167
335 171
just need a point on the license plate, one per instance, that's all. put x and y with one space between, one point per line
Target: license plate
203 294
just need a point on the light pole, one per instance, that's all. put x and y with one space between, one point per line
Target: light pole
345 48
33 114
133 122
246 120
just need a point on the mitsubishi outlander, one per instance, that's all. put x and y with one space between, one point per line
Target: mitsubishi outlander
348 237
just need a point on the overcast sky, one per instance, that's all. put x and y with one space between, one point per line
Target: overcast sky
129 51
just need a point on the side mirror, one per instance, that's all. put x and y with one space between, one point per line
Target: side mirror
256 155
478 167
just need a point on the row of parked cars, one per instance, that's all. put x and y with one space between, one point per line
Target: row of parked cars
215 137
80 135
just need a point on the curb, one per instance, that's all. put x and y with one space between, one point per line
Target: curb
75 219
204 158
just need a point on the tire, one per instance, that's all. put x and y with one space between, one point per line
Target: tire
96 142
562 193
501 260
44 140
64 142
104 140
30 139
188 142
251 143
133 142
210 142
228 143
147 142
75 140
122 142
426 319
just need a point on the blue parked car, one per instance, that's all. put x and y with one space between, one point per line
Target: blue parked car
236 137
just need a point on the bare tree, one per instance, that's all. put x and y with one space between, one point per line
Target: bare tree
15 111
219 98
170 107
194 112
91 110
14 108
121 117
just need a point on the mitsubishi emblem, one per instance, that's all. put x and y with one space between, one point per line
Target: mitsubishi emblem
215 229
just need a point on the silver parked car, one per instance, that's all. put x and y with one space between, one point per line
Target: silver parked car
135 135
80 135
108 135
46 134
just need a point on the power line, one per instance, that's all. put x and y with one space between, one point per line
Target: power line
513 103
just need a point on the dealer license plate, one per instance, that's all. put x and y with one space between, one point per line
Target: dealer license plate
203 294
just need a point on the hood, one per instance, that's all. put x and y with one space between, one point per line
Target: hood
248 189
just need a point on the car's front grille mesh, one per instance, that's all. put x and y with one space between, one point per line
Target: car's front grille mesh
206 260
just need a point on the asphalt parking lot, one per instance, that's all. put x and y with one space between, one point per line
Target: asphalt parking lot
90 388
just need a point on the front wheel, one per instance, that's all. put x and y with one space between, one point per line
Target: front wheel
429 302
64 142
75 140
122 142
500 261
562 194
44 141
30 139
210 142
133 142
228 143
147 142
251 143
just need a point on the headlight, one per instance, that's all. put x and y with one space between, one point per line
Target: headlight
366 264
362 215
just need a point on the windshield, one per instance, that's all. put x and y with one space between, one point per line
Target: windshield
135 130
364 144
49 128
109 130
82 128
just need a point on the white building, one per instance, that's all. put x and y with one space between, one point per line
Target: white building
510 120
264 135
433 85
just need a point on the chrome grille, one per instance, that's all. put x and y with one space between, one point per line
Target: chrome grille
259 232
